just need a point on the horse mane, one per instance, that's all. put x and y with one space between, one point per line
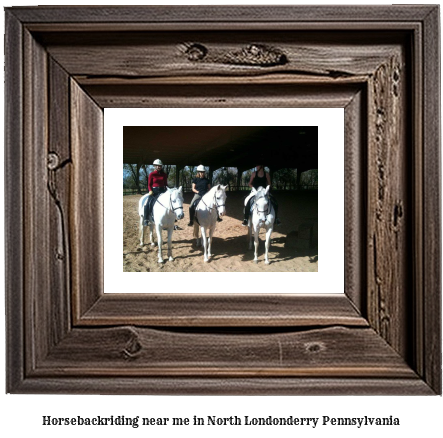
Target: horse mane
260 193
175 189
212 190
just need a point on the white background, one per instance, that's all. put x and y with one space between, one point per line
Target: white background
21 414
330 122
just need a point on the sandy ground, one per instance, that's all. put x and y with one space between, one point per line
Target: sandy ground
230 245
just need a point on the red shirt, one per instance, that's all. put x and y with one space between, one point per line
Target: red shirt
157 179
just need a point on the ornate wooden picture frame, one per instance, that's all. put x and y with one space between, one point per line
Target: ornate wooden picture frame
64 65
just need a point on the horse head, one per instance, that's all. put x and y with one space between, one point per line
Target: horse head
262 203
261 191
220 199
177 201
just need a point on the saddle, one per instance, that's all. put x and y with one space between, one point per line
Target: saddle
194 207
149 208
251 203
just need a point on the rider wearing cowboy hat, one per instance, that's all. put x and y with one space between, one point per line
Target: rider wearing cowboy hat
200 186
157 183
259 178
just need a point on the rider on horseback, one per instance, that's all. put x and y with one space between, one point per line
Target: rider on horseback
259 178
157 183
200 186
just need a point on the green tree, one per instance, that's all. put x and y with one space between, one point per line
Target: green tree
134 171
145 170
309 179
246 177
226 176
284 179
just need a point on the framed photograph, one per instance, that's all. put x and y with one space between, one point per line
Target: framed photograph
219 198
377 331
308 215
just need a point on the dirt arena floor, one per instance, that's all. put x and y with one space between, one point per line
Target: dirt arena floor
230 245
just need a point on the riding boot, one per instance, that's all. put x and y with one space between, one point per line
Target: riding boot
246 213
146 214
277 220
275 205
191 215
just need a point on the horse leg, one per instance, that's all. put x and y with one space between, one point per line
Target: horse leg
158 229
196 228
256 232
205 244
151 236
142 232
211 232
170 229
267 244
250 234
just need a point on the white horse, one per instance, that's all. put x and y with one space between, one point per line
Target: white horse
167 208
205 217
262 215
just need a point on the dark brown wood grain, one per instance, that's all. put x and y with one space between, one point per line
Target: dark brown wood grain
230 95
354 185
86 219
354 15
14 238
129 351
388 272
59 168
430 319
167 385
38 305
239 310
164 55
64 65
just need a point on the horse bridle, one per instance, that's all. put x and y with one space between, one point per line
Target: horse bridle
263 211
172 207
215 202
